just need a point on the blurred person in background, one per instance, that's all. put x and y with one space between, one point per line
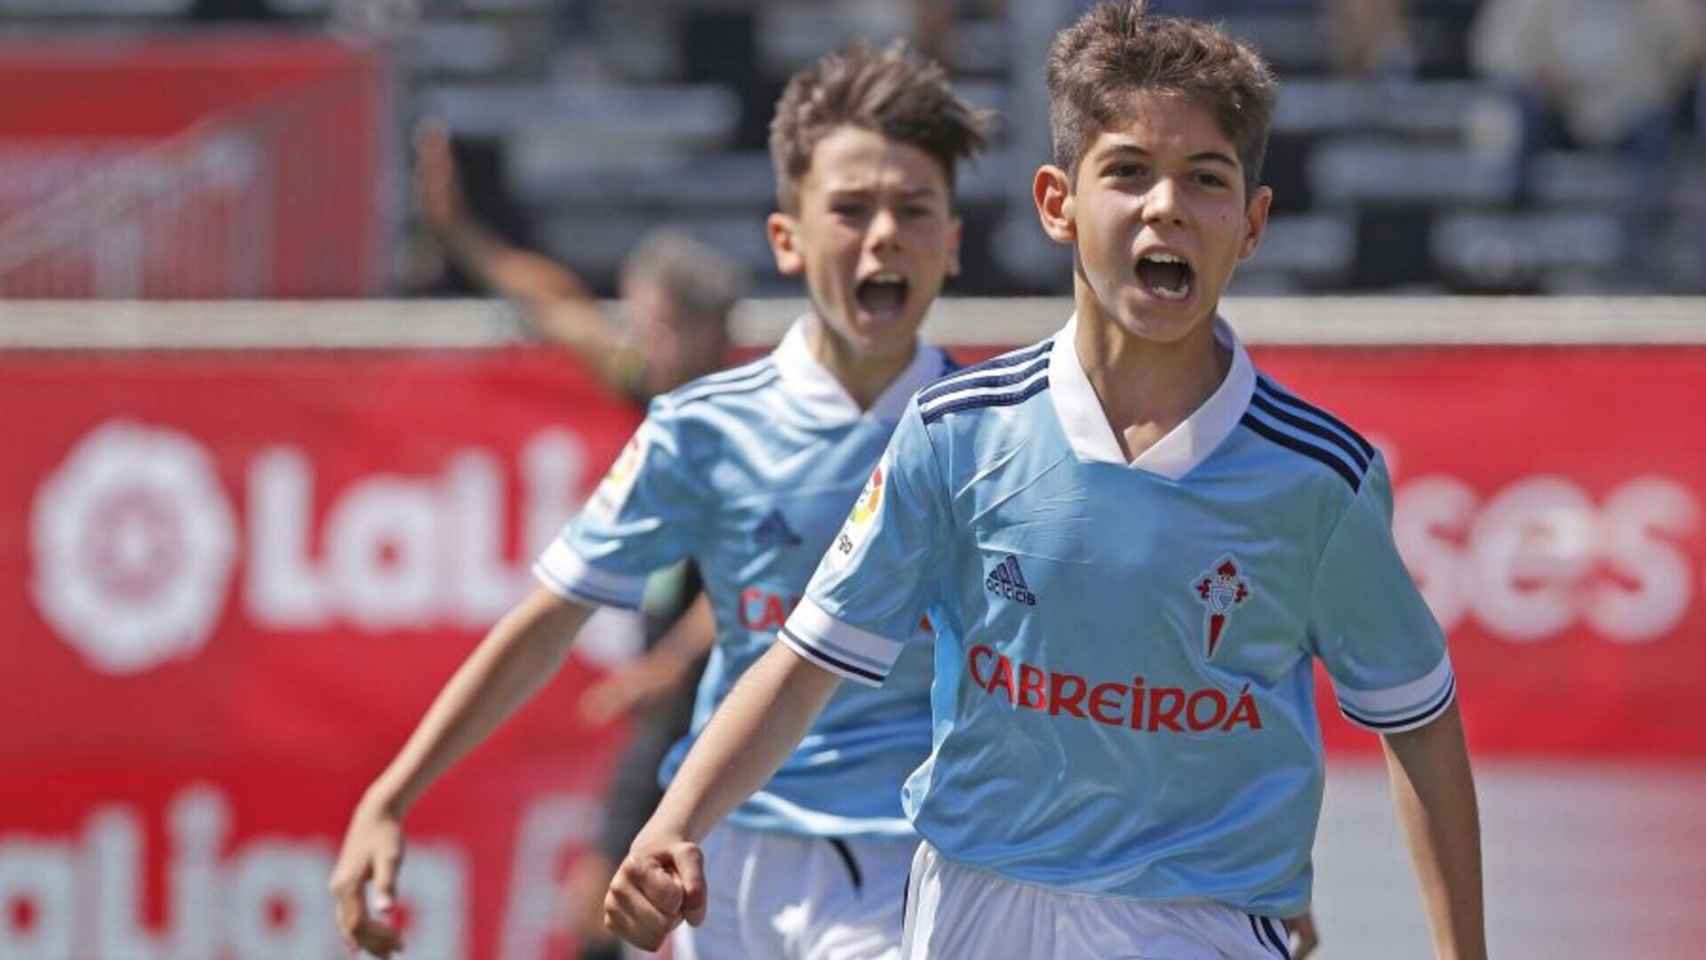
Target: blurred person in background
1371 38
678 295
1597 75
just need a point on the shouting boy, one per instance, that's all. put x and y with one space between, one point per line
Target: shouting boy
749 472
1132 545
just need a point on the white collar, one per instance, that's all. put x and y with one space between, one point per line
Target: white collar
1175 454
823 396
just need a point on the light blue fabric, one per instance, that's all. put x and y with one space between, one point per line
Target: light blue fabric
751 472
1124 693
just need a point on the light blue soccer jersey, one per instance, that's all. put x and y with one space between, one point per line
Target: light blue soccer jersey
751 472
1123 700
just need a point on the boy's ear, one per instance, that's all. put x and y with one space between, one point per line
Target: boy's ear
783 232
1052 191
1256 220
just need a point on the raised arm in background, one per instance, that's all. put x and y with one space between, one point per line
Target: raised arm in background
549 295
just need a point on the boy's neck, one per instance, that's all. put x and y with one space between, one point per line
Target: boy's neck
1148 387
862 375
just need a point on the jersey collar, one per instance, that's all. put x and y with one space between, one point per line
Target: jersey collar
1175 454
823 396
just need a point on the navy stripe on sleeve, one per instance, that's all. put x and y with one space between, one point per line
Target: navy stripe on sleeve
983 382
1310 427
985 400
834 664
1296 403
962 378
1306 448
1415 719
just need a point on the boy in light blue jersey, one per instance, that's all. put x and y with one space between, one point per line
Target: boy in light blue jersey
750 472
1132 545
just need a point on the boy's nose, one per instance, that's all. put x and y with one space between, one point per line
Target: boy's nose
1162 204
884 229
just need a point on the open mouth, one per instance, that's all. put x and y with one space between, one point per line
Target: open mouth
1165 276
882 294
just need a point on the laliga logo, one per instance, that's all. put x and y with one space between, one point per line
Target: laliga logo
613 491
871 499
1220 589
134 542
864 511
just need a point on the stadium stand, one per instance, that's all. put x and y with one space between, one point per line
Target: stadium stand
581 123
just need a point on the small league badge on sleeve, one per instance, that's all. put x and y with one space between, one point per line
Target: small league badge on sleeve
614 489
864 514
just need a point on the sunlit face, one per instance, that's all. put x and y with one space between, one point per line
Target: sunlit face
1158 216
875 237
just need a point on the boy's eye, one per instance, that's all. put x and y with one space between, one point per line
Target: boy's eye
1125 170
1210 179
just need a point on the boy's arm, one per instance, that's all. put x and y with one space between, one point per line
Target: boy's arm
550 297
1392 675
1434 791
661 882
517 657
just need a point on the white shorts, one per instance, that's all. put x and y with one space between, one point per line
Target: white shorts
955 912
776 896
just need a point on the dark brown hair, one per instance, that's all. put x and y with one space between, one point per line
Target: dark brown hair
894 92
1116 50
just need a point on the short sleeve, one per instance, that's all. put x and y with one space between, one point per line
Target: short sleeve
872 586
1381 645
646 514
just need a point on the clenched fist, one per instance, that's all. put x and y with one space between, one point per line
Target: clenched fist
658 885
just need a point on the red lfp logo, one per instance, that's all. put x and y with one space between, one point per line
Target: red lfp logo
1220 589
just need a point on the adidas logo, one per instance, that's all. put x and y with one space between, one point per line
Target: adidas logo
1007 580
773 531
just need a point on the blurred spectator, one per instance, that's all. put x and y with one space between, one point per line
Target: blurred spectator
677 293
1371 37
934 21
1598 75
1594 73
932 27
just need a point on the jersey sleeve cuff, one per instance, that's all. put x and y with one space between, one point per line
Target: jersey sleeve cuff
1404 707
842 649
565 573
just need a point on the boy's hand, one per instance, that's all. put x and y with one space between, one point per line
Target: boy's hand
649 680
372 850
658 885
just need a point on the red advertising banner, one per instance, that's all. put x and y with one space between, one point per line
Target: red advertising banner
1549 501
231 582
230 585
